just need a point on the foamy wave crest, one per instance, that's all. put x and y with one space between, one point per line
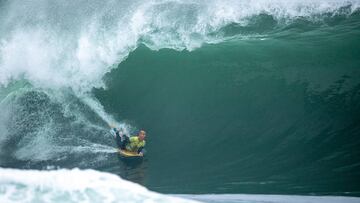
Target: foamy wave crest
74 44
73 186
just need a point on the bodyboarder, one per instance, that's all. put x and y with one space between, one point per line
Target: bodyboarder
133 144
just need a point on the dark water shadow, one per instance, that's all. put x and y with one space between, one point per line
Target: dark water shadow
133 169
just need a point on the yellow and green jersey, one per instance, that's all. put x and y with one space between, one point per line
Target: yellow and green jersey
135 144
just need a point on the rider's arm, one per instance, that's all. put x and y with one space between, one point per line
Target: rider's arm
118 138
140 150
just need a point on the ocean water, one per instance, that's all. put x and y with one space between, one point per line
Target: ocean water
237 97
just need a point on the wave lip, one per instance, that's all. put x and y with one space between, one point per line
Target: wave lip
40 44
73 186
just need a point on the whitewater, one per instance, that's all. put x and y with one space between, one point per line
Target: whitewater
92 186
74 44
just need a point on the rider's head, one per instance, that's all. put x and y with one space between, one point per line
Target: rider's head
142 135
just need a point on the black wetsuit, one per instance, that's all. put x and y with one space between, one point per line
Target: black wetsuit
121 144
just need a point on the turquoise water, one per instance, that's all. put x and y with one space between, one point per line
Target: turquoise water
235 97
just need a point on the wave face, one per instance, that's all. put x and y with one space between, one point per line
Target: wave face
237 97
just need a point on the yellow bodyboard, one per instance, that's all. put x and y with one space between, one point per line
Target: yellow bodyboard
126 153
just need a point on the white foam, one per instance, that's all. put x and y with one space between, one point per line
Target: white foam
92 186
73 186
73 44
